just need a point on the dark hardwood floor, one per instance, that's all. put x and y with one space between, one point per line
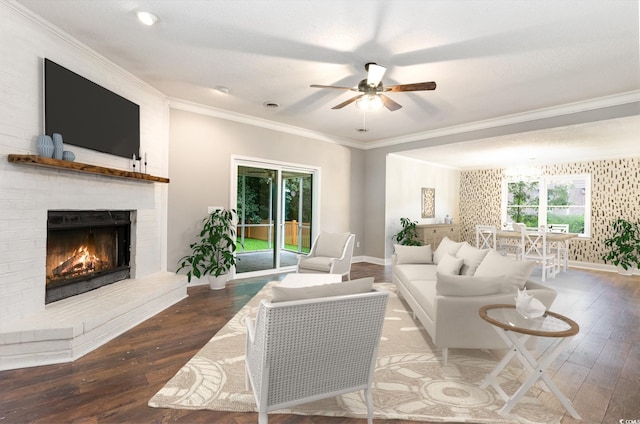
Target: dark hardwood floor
600 372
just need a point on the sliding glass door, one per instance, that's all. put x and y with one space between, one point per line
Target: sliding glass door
275 211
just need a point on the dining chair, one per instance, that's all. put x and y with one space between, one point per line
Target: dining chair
486 236
537 249
560 248
519 247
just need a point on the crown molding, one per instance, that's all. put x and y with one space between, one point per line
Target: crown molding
258 122
518 118
550 112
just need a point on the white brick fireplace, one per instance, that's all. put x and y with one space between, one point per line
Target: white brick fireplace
30 332
34 334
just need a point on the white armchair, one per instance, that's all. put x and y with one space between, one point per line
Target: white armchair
330 253
305 350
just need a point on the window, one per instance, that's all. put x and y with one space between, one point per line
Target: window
548 200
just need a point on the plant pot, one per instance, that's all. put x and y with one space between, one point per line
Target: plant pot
218 283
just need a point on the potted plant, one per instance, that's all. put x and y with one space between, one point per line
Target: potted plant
408 235
213 254
624 246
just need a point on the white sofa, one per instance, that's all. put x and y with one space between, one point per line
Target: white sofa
445 290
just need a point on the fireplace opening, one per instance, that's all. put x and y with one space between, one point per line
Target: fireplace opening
86 250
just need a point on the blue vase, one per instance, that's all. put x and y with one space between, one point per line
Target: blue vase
58 146
45 146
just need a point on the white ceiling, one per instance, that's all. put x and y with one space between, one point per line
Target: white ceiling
490 59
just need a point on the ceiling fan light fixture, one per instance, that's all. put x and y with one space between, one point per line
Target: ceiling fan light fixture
369 103
374 74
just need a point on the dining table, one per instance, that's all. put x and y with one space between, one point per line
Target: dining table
562 240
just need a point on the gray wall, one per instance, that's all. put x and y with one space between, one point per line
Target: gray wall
200 151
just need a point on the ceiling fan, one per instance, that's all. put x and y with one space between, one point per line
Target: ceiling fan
371 89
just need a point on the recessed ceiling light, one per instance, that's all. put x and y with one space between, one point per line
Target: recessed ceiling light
362 130
222 89
147 18
271 105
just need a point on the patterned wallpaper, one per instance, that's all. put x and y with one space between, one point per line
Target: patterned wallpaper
615 192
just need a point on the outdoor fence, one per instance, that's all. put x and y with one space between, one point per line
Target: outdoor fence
292 233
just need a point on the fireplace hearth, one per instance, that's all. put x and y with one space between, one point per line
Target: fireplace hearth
86 250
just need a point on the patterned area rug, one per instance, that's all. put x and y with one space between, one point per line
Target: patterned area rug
410 382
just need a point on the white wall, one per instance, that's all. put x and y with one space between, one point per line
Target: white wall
26 193
405 179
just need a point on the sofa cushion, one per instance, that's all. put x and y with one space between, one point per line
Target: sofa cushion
449 265
285 294
425 294
471 256
446 246
496 265
331 244
413 254
412 272
468 285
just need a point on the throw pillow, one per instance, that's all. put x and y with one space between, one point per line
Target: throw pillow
446 246
449 265
468 285
286 294
516 272
472 257
413 254
331 244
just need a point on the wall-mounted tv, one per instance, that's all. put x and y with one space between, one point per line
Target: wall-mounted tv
88 115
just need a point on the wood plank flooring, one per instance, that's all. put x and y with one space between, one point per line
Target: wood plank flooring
600 372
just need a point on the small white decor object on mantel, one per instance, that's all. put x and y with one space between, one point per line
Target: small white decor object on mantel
528 306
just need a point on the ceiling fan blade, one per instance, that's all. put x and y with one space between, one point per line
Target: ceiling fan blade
374 74
389 104
418 86
332 86
347 102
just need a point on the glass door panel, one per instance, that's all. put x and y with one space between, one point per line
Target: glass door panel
257 193
297 190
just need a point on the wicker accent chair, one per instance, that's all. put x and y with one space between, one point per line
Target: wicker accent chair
304 350
330 253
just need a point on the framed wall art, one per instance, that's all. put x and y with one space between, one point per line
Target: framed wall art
428 202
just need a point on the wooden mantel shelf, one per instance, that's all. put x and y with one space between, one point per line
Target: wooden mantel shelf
83 167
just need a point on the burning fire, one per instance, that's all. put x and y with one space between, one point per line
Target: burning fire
81 261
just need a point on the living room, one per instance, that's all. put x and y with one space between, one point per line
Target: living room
190 143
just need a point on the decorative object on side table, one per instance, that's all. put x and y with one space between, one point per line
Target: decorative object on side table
528 306
58 146
68 155
45 146
624 246
213 254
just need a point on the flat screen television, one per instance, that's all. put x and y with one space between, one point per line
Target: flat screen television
88 115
